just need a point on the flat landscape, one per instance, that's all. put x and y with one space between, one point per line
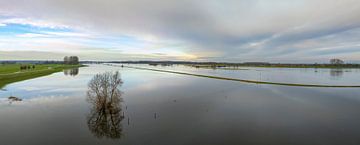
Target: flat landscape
10 73
162 105
179 72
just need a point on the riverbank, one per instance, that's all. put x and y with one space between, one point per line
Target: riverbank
10 73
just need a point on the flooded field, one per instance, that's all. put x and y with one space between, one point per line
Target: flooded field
157 108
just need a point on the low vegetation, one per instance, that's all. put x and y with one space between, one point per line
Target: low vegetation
10 73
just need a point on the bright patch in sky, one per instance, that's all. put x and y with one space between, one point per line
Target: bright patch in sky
211 30
27 36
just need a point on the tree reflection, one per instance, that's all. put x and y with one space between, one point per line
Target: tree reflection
105 98
71 72
336 72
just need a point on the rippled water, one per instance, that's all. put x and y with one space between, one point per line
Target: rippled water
162 108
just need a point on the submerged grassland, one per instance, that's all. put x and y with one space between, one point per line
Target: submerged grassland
246 81
10 73
241 66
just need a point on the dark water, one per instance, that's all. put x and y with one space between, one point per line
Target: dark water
159 108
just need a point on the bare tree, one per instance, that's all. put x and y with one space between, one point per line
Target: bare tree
105 96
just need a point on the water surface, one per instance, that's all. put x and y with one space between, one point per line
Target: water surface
162 108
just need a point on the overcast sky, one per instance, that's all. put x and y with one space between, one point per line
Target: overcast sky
197 30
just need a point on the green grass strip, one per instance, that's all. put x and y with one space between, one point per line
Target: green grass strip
247 81
9 78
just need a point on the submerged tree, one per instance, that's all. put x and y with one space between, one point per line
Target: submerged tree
105 97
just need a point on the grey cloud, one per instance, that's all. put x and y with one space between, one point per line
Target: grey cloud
229 26
107 56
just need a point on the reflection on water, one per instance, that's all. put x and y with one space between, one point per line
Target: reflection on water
71 72
336 72
180 110
104 96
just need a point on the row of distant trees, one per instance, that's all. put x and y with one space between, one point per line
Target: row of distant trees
26 67
71 60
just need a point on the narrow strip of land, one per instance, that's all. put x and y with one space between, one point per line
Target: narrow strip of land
12 73
247 81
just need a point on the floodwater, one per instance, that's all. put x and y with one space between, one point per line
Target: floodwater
159 108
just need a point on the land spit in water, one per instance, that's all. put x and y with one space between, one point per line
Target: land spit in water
10 73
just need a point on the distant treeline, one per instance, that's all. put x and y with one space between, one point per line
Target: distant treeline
203 64
31 62
302 65
27 67
226 64
73 60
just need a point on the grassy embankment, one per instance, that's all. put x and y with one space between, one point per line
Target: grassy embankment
246 81
10 73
